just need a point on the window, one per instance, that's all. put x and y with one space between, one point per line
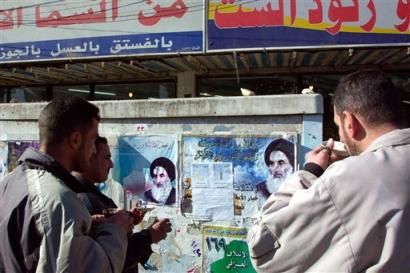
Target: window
25 94
132 91
255 85
3 94
64 91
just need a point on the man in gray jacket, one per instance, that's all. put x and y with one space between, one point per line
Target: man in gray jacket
44 227
354 215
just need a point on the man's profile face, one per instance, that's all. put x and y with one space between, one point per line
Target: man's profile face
82 159
160 177
102 162
351 147
279 165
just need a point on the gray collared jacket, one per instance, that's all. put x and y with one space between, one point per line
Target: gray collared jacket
44 227
354 218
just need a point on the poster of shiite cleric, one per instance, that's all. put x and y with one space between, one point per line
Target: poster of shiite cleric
247 168
146 167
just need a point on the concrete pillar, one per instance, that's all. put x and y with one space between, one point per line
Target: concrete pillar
186 85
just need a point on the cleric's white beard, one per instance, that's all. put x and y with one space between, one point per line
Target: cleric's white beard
161 194
272 184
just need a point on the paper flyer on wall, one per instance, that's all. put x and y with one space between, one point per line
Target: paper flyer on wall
211 184
179 252
225 250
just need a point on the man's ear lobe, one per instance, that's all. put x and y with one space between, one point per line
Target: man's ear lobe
352 124
75 139
347 120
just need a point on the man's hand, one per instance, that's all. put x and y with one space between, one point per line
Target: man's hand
321 155
159 229
138 215
97 218
123 219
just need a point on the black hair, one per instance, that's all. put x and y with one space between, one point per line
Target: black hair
371 95
166 164
282 145
100 140
63 116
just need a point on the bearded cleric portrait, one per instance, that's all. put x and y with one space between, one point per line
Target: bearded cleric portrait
280 160
162 192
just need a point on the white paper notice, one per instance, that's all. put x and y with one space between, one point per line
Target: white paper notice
222 175
212 191
200 175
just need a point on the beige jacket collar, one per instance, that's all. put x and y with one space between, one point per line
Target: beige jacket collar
392 138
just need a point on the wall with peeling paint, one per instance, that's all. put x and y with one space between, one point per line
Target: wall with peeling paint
236 116
301 114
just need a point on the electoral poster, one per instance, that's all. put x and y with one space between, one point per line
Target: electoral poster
225 250
227 176
146 166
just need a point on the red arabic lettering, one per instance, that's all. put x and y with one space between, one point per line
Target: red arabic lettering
19 16
55 19
256 18
114 9
372 21
8 22
292 11
403 12
340 14
316 15
178 10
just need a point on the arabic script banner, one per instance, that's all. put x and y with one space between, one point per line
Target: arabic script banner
42 29
242 24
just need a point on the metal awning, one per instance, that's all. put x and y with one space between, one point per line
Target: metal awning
262 63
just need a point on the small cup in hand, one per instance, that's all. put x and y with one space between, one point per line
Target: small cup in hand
143 206
339 149
108 212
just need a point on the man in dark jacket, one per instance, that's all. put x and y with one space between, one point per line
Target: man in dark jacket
44 227
139 244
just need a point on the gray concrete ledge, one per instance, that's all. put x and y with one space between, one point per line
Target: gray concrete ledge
192 107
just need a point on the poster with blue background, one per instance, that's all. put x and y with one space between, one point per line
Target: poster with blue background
134 158
250 159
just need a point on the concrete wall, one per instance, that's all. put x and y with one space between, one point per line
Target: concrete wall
259 115
236 116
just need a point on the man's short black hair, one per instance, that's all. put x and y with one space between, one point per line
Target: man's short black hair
164 163
371 95
282 145
100 140
62 117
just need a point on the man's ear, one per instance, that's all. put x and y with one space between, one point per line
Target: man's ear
352 125
75 139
